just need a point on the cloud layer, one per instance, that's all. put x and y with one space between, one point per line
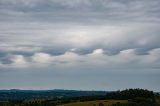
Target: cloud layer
82 41
53 28
83 35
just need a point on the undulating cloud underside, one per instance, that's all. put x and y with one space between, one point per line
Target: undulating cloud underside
80 36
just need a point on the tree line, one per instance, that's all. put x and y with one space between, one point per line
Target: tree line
135 97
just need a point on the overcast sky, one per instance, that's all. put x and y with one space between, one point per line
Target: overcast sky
80 44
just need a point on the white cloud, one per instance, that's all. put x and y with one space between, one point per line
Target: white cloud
98 51
41 58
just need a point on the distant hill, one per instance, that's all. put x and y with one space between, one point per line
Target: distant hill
16 94
58 97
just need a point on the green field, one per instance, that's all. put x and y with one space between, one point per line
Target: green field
95 103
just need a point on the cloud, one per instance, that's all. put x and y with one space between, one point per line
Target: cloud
41 57
72 43
126 59
83 39
70 11
79 32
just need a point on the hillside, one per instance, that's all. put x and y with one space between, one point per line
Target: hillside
128 97
95 103
16 94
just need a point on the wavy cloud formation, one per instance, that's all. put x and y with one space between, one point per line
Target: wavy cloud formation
125 33
79 42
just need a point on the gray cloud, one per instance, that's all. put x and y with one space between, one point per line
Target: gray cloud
45 44
56 27
80 11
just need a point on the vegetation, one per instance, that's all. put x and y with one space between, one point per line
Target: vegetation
135 97
20 95
95 103
131 94
128 97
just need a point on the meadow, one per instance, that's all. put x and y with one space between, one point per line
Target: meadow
95 103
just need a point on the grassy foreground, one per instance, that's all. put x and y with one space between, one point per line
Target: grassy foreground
95 103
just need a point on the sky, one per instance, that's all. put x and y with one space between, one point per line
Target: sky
80 44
